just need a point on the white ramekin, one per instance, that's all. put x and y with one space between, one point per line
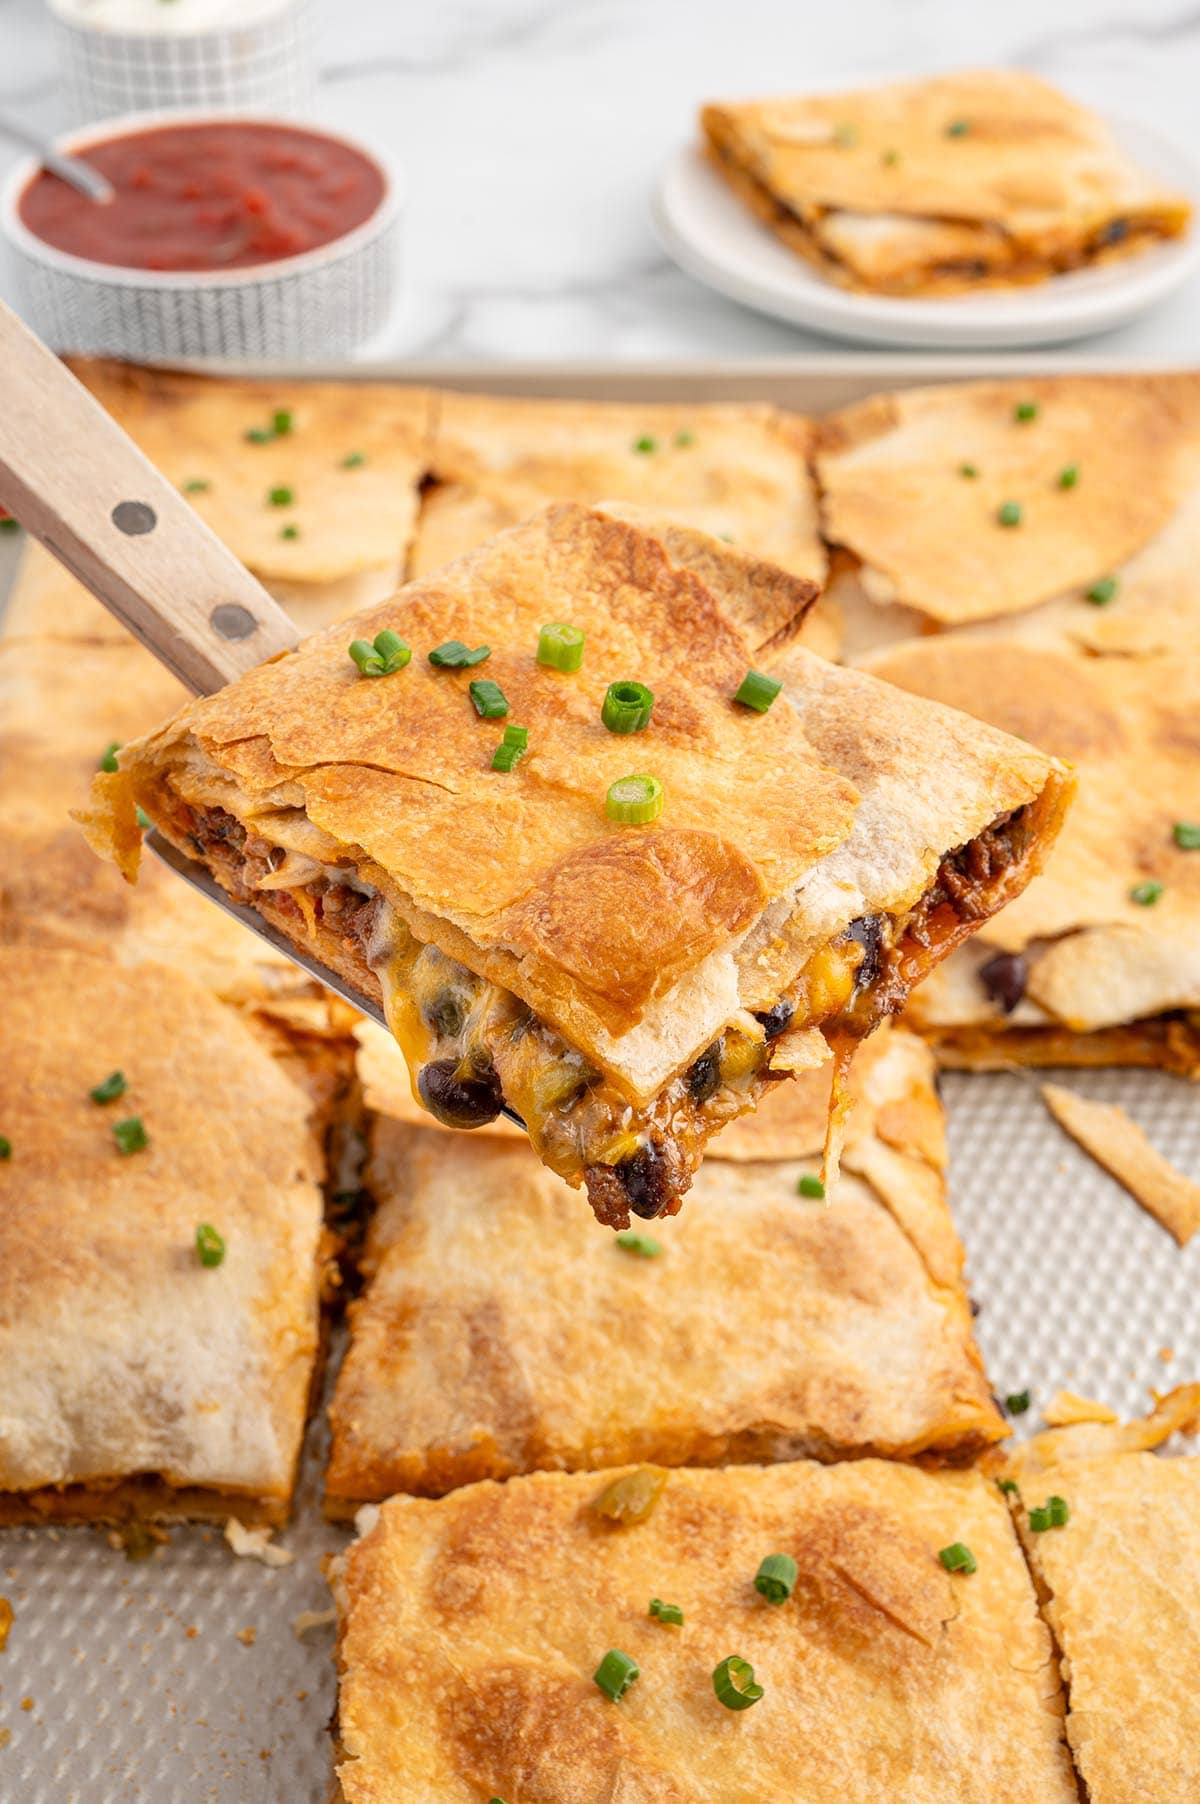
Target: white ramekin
262 63
324 303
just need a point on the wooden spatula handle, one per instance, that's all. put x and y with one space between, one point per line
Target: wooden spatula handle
72 477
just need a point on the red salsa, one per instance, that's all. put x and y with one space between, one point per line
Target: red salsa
220 194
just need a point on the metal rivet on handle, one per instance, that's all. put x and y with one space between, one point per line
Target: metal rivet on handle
232 621
134 518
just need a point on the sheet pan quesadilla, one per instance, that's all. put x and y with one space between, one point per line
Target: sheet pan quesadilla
541 936
881 1674
160 1250
941 185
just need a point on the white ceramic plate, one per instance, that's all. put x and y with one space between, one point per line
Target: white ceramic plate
714 237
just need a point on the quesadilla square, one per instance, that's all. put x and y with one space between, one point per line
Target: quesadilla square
160 1250
882 1675
942 185
487 1296
624 936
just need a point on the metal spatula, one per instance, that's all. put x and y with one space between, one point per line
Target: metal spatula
76 481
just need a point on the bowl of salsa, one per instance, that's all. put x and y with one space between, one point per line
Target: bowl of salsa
225 236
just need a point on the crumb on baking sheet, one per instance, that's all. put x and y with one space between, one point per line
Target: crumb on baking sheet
6 1622
307 1620
255 1544
247 1637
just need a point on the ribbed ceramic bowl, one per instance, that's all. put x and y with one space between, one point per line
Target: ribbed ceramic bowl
324 303
260 63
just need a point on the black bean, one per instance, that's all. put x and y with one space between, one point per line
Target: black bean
460 1097
1004 979
1113 232
644 1176
704 1078
867 932
777 1020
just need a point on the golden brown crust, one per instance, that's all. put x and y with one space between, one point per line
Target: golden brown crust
883 1676
491 1304
940 185
123 1357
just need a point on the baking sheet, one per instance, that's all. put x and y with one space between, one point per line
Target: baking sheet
128 1680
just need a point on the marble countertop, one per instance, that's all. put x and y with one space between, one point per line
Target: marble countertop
530 133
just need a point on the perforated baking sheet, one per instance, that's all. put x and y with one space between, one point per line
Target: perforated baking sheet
139 1682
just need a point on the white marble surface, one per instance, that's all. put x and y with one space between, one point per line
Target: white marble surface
530 133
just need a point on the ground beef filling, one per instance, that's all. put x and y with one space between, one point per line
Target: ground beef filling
485 1057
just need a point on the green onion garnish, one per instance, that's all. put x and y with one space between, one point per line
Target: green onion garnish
968 470
514 745
616 1673
381 657
958 128
258 435
757 691
354 460
281 422
733 1682
130 1135
958 1558
662 1612
685 438
1025 410
452 654
210 1248
196 485
627 707
560 646
776 1578
808 1185
1008 1486
644 1244
112 1087
645 444
108 758
634 800
8 524
489 698
1186 835
5 1147
1018 1403
289 532
1009 513
1068 476
281 497
1052 1514
1146 894
143 819
1102 592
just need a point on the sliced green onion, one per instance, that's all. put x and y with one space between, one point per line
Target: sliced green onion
210 1248
616 1673
662 1612
452 654
513 746
489 698
130 1135
684 438
8 524
1052 1514
5 1147
281 497
143 819
808 1185
1009 1487
560 646
1186 835
958 1558
644 1244
1018 1403
281 422
1146 894
1068 476
381 657
1009 513
958 128
1025 410
1039 1520
634 800
289 532
108 757
970 471
757 691
518 736
645 444
627 707
1102 592
734 1684
354 460
776 1578
258 435
112 1087
196 485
